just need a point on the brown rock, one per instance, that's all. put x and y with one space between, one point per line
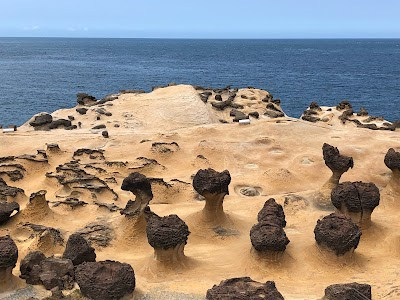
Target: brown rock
337 233
211 181
267 236
392 160
336 162
348 291
57 272
244 288
272 212
166 232
30 267
8 253
78 250
105 280
6 209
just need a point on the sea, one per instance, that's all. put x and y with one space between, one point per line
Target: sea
44 74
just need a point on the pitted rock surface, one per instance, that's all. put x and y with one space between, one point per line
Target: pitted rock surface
348 291
78 250
267 236
244 288
105 280
8 252
356 196
136 182
335 161
338 233
166 232
211 181
272 212
30 267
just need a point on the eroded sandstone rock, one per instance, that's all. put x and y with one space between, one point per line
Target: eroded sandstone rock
243 288
78 250
356 200
213 186
337 233
348 291
338 164
105 280
168 236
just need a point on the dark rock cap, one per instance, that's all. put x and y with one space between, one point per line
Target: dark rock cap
392 159
338 233
105 280
272 212
78 250
244 288
137 182
267 236
345 104
335 161
209 180
8 252
348 291
6 209
166 232
356 196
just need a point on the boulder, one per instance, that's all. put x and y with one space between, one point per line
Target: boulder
348 291
337 233
105 280
166 232
244 288
57 272
272 212
8 253
267 236
78 250
392 160
41 119
30 267
82 110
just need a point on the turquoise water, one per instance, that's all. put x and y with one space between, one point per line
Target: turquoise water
44 74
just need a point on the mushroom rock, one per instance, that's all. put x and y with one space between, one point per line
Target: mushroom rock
37 207
392 161
346 291
338 164
356 200
78 250
30 267
337 233
243 288
134 220
272 212
6 210
168 236
213 186
105 280
8 260
269 240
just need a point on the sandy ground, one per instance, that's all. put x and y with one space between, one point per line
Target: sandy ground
280 157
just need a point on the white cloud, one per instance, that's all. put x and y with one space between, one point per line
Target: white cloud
32 28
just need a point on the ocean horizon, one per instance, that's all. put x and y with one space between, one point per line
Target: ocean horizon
44 74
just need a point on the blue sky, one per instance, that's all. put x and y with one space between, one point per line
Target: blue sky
201 19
